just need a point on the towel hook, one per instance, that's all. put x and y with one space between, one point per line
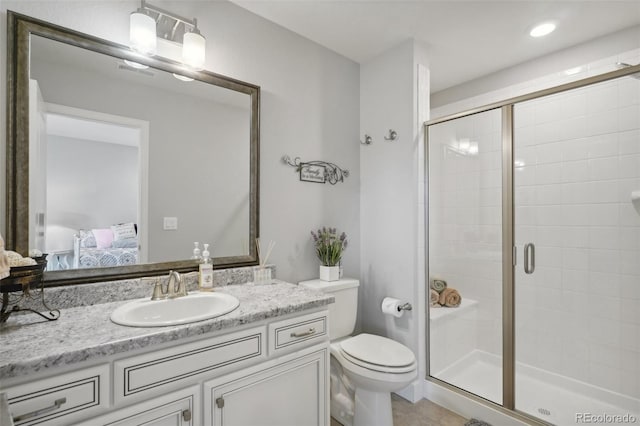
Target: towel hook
393 135
367 140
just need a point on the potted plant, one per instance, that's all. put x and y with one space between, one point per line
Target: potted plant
329 248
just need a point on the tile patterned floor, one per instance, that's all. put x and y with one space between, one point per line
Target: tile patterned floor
422 413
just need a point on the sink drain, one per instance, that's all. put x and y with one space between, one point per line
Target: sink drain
544 411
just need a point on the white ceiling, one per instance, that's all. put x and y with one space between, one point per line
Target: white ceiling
464 39
91 130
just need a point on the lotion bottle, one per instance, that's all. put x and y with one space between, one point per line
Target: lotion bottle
205 276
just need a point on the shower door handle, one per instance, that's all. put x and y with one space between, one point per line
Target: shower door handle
529 258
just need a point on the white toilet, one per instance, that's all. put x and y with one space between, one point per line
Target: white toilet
365 368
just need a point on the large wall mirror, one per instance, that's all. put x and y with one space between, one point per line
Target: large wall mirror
117 164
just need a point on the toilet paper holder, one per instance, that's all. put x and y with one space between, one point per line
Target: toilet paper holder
405 307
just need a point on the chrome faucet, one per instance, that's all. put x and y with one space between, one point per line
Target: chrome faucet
175 288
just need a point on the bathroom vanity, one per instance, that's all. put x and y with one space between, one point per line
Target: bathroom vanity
264 363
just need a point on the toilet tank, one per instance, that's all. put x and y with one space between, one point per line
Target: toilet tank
342 313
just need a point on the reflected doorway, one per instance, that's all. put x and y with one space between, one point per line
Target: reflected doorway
95 174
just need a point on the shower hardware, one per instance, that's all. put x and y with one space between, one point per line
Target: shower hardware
367 140
529 258
393 135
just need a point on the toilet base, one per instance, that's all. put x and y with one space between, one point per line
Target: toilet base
372 408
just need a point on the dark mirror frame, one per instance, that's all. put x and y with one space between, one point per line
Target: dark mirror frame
19 30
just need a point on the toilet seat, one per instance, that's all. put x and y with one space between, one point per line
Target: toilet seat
378 353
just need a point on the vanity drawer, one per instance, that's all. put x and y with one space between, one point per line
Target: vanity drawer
60 399
165 369
298 332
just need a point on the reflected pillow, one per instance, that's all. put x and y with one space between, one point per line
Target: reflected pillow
123 230
125 243
87 239
104 237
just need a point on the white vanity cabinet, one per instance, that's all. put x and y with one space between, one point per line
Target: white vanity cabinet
60 399
181 408
272 373
292 391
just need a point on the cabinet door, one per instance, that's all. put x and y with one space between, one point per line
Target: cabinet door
290 393
181 408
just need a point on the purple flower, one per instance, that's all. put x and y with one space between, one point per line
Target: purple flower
329 245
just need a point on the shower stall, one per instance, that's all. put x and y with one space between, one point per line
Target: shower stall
534 219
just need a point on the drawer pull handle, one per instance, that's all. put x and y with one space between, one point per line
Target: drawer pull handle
56 404
309 332
186 415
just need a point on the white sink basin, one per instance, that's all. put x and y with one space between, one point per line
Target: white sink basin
182 310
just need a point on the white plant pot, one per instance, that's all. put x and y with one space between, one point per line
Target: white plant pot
329 273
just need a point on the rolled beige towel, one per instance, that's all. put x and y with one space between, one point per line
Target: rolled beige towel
450 298
435 297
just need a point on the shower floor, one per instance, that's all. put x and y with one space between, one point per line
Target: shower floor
548 396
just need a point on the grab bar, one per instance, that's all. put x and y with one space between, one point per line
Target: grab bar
529 258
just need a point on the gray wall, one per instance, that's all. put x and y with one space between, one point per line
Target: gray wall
89 185
310 104
394 95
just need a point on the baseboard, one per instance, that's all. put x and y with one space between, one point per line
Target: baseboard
412 393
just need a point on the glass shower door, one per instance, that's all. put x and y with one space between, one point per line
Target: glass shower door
577 232
465 253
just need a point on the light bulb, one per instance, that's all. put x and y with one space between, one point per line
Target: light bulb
142 33
193 50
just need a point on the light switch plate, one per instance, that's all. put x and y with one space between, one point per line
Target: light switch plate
170 223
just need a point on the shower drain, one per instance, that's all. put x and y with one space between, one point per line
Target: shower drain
544 411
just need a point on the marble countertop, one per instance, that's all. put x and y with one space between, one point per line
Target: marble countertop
86 333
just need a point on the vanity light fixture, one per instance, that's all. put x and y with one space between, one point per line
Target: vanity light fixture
135 65
151 22
542 29
142 32
193 49
182 77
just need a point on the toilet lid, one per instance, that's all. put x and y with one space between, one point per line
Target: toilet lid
378 350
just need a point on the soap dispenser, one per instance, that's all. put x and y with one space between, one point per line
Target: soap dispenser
205 276
196 252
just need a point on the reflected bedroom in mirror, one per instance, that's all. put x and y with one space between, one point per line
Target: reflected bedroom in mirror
128 163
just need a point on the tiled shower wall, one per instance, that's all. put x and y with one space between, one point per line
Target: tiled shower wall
577 158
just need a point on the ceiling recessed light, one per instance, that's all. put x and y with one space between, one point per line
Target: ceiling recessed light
542 29
135 65
572 71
